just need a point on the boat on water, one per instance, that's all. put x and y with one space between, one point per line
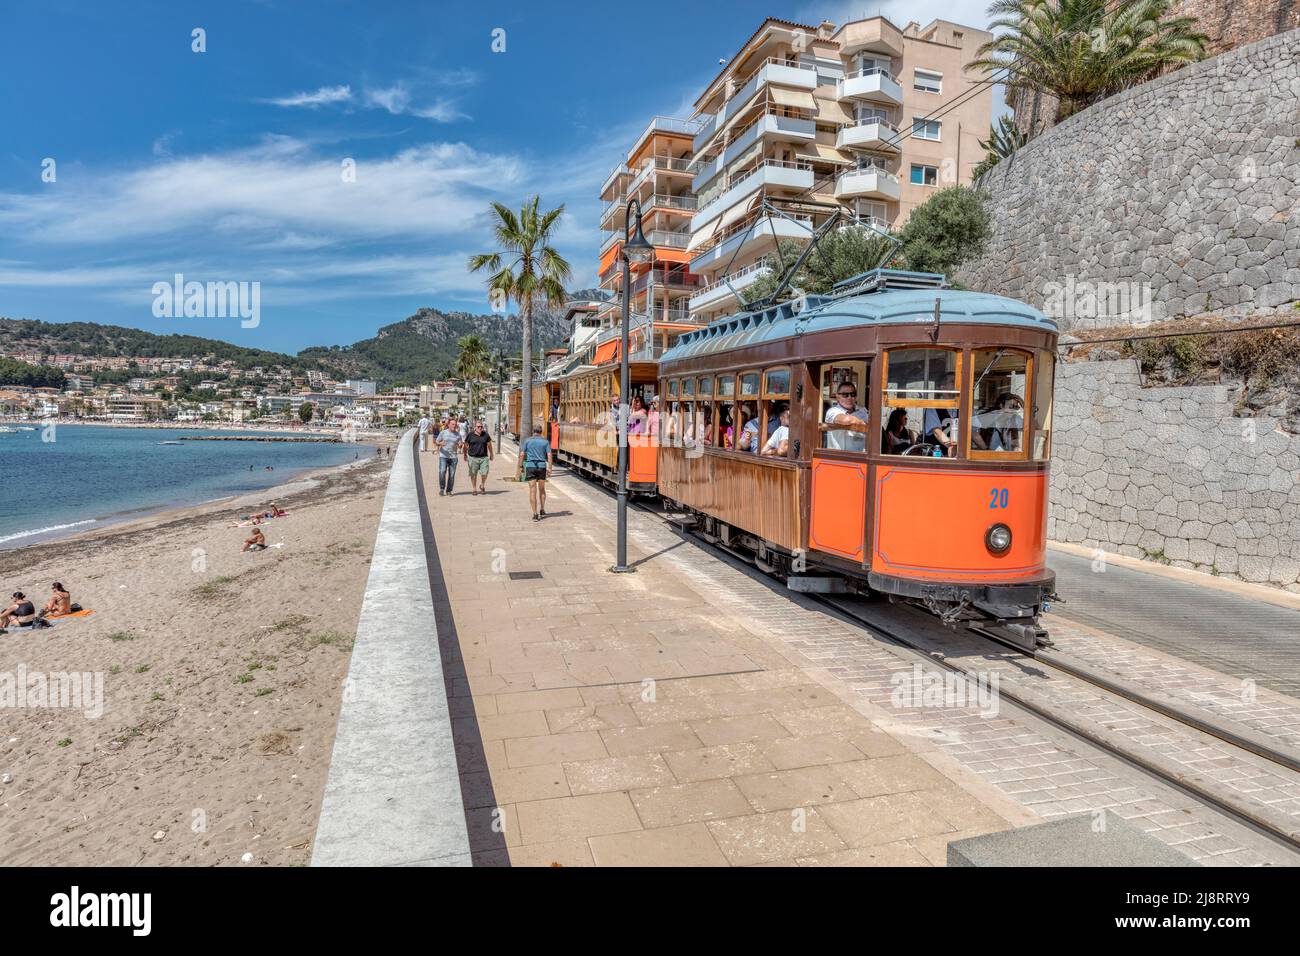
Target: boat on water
6 428
26 428
169 443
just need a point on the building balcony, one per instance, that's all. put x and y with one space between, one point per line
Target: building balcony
873 86
612 210
876 35
869 134
613 180
770 173
662 238
722 291
748 236
799 76
869 183
770 127
677 203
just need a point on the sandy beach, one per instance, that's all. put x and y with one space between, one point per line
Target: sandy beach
221 676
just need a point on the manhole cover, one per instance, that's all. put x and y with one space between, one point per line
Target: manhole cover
524 575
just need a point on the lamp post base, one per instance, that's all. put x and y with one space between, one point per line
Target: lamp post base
622 569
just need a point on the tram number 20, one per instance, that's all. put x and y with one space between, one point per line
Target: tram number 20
998 497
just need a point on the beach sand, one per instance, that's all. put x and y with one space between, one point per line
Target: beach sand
222 679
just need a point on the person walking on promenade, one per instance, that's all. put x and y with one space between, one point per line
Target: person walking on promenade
448 442
478 453
424 427
535 468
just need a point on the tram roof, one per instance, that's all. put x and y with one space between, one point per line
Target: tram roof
910 305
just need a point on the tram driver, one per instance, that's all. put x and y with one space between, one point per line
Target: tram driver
849 419
940 424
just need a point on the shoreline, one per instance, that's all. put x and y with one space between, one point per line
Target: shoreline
154 516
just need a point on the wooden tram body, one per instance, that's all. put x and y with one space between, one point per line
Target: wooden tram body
513 406
587 425
911 525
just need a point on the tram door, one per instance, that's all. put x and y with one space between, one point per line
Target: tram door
839 482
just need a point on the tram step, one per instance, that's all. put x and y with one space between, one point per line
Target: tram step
816 584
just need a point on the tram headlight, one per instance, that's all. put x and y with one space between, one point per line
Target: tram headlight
998 538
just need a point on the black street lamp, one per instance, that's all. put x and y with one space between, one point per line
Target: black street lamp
635 249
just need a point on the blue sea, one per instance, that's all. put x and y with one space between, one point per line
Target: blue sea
92 475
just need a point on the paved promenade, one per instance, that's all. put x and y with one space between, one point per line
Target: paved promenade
696 712
648 718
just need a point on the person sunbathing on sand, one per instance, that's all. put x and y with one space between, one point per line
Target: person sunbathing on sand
21 611
60 601
275 511
256 543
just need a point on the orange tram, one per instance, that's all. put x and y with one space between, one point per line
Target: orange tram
893 437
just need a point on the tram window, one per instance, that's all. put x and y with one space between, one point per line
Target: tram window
921 402
672 388
725 411
843 409
997 424
704 411
749 385
776 394
1044 366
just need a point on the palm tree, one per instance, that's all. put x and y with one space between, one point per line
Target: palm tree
536 272
1004 139
1082 51
472 365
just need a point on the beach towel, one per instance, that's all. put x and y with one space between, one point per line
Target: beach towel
83 613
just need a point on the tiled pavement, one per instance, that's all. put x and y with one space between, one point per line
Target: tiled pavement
686 713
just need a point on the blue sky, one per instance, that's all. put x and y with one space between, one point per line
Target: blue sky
226 165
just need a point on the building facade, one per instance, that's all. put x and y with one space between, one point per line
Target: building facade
803 120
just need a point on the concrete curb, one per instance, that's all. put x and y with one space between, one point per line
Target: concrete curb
392 797
1245 589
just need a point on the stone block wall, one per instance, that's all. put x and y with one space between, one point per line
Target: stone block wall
1187 186
1169 474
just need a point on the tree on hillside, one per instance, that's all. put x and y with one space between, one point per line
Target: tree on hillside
1082 51
535 273
472 365
306 412
841 254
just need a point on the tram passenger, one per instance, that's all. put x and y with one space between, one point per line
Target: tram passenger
779 444
940 424
652 418
897 437
851 419
636 422
749 434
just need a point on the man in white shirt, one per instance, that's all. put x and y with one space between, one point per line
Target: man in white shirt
424 432
851 435
778 445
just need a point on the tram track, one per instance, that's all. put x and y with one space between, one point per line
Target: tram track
1243 741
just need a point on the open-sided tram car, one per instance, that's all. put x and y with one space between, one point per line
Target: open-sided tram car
952 517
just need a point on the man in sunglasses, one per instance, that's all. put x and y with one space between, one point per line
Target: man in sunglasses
850 420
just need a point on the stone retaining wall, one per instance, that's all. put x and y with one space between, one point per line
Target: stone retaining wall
1170 474
1188 186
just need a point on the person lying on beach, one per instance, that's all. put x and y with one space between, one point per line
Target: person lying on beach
255 543
276 512
21 611
60 601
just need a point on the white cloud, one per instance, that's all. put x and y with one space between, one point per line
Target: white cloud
396 99
321 97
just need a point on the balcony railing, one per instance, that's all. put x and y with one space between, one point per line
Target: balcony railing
871 71
717 191
669 240
665 201
764 263
746 223
779 61
893 178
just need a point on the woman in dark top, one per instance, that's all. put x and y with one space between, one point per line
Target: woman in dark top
896 438
21 611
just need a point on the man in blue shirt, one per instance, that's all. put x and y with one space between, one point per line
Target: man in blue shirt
535 468
940 424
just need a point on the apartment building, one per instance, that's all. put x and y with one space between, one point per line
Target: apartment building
804 118
657 174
